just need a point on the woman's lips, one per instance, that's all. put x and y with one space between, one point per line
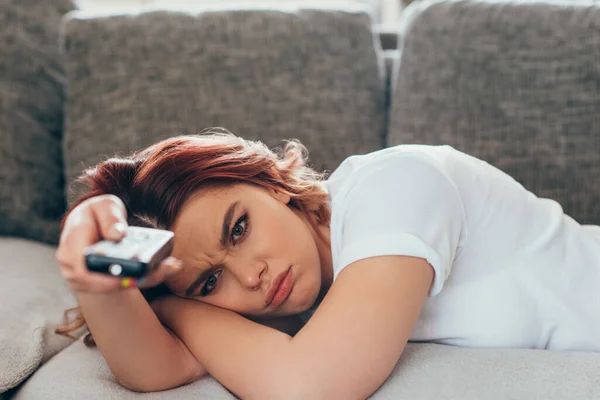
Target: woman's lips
280 289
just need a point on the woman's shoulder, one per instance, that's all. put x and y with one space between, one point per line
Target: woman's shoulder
417 152
397 160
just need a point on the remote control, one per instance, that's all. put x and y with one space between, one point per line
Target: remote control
139 252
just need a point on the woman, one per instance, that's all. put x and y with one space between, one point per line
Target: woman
413 242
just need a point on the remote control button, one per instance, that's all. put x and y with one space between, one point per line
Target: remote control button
115 269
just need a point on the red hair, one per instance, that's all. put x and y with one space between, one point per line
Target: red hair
155 183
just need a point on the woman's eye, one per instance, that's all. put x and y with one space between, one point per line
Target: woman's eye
210 284
239 229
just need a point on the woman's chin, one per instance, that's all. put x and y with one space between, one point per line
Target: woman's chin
306 301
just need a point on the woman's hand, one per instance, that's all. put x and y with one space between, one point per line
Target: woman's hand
99 218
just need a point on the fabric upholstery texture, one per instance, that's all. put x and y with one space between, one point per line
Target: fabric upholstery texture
433 371
81 372
265 75
33 297
516 84
31 100
425 371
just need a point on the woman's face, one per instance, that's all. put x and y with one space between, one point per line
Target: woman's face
240 243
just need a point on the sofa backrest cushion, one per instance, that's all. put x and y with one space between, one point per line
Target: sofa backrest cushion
31 100
263 74
516 84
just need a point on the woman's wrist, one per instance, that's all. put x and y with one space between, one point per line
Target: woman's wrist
114 296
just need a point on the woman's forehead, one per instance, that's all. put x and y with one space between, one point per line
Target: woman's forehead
199 225
202 216
208 202
196 238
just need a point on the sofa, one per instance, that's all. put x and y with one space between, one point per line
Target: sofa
514 83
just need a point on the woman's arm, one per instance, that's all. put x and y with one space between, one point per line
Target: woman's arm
290 324
141 353
346 350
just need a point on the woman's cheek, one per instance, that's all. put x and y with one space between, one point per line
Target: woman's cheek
259 243
228 296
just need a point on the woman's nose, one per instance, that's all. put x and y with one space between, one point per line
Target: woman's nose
251 276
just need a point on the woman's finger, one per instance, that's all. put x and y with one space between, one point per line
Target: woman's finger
92 281
90 222
80 231
111 217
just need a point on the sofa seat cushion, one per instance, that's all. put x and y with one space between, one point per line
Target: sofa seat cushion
80 372
33 296
440 372
425 371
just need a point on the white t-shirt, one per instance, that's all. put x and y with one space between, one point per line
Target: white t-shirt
511 269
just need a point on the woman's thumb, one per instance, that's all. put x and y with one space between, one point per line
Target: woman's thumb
168 267
173 265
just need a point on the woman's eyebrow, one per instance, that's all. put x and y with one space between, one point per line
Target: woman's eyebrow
227 224
224 239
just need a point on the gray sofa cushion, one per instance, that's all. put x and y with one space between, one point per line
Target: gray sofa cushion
310 74
425 371
514 83
33 296
80 372
31 99
438 372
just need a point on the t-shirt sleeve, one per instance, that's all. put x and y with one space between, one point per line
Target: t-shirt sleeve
401 204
